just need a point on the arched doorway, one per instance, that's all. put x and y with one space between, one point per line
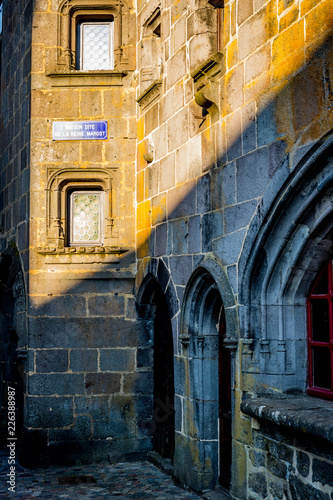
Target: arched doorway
157 314
206 348
212 327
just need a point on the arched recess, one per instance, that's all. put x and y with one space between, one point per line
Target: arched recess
153 309
209 337
284 250
13 337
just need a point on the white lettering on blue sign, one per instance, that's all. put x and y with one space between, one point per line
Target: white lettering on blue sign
82 131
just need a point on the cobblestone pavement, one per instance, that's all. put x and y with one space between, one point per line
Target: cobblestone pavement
128 480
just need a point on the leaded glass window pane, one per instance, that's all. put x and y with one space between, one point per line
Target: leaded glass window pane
96 51
86 216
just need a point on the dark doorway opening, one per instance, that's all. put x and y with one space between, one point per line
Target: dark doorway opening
225 420
163 405
12 313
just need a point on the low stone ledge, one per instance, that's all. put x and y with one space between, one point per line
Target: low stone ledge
302 413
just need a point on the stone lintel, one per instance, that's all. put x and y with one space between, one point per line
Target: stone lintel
211 68
150 95
305 414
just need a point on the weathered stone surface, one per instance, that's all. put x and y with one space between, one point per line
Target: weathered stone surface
258 484
138 383
238 216
252 174
102 383
181 268
51 384
322 472
81 430
55 360
83 360
303 463
116 360
51 412
161 239
82 333
301 490
257 458
106 305
65 306
276 466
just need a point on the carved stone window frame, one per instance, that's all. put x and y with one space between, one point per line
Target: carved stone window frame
59 185
71 11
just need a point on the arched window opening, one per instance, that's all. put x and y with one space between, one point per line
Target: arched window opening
320 334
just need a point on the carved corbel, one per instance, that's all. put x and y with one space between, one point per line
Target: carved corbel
206 83
205 98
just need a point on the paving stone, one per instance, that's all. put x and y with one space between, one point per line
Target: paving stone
126 480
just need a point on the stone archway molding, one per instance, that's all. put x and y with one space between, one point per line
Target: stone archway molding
213 268
157 268
285 246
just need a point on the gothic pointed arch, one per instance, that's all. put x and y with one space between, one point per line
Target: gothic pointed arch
153 310
209 338
285 247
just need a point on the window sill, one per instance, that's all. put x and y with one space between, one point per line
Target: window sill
80 250
305 414
82 255
77 78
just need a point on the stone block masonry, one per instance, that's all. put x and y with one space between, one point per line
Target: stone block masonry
81 366
87 352
212 144
214 185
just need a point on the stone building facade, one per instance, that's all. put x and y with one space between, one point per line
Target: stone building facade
196 322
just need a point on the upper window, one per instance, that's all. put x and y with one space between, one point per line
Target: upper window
320 334
95 45
85 218
91 35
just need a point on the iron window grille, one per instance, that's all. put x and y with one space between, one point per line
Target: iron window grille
320 334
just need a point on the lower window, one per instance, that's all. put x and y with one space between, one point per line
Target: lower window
320 336
85 218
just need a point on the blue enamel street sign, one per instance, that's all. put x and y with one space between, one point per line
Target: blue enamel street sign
79 131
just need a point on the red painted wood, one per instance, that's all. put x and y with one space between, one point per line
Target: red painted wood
313 296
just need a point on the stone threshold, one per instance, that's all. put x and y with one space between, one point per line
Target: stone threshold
217 494
165 464
306 414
